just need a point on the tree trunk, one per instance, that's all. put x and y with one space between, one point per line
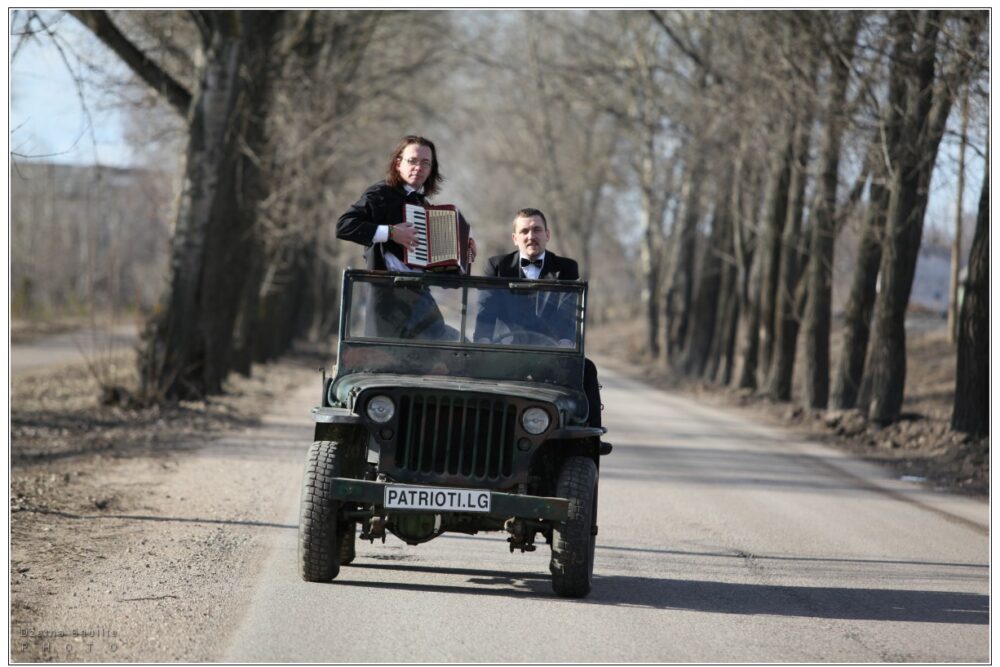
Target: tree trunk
818 312
861 302
749 325
956 244
750 284
649 265
708 297
923 125
971 413
187 343
771 254
243 330
322 299
276 310
786 326
231 236
173 362
852 386
651 250
741 240
680 287
722 301
721 366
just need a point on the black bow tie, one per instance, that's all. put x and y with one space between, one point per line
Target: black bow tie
532 262
414 196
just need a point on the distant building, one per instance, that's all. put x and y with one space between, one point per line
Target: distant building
85 238
932 279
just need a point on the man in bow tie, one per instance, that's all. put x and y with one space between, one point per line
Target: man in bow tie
532 261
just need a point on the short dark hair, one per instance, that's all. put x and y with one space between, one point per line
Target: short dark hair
433 183
532 213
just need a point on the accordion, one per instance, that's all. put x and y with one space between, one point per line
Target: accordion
442 238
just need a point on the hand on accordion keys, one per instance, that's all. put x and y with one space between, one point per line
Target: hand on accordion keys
405 234
472 250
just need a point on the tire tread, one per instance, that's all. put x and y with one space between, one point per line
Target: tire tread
572 554
319 557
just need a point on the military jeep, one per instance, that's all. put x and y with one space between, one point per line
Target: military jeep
456 406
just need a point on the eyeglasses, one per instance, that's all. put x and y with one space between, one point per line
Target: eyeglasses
417 162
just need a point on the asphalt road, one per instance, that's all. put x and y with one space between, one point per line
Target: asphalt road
720 541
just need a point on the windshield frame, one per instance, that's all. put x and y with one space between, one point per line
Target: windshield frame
468 285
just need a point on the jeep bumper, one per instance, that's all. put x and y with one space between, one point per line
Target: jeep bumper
502 505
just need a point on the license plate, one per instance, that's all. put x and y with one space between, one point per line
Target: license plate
436 499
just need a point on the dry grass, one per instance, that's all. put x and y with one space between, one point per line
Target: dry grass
58 424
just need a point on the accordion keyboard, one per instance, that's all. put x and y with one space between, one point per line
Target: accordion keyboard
438 242
418 216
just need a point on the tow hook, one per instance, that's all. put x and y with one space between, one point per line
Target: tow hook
519 538
374 527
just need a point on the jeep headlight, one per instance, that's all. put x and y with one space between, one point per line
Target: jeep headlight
535 420
380 409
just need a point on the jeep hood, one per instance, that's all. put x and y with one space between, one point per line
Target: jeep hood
570 402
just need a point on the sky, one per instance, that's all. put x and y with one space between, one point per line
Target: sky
48 116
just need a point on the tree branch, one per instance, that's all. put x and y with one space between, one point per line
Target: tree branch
101 25
203 24
686 48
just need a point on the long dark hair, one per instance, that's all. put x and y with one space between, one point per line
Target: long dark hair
433 183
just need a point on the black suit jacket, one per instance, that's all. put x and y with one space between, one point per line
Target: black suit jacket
552 314
381 204
554 267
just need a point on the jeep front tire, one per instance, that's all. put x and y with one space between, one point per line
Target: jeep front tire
573 540
321 539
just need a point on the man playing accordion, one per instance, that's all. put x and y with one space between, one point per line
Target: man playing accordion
377 221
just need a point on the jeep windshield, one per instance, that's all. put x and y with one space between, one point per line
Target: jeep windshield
436 309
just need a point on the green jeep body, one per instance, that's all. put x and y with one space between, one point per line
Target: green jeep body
431 422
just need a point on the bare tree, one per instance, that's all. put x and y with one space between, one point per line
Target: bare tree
709 295
187 345
772 250
929 102
787 301
696 46
847 390
971 413
956 244
680 285
842 35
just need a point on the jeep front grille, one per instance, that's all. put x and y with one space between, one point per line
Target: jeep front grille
469 436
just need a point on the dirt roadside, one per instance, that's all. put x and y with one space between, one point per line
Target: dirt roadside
127 527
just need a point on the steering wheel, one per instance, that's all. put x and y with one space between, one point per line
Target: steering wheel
524 337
